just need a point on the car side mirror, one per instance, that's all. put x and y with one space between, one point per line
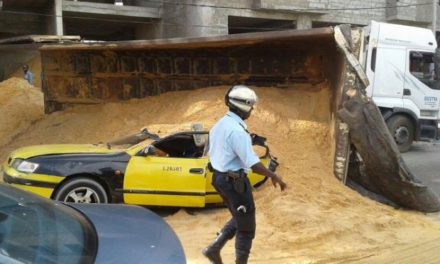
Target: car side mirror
149 151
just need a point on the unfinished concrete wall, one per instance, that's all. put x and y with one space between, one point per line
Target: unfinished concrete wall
209 17
344 11
420 13
196 18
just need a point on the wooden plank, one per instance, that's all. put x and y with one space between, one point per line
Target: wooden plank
40 39
345 47
307 37
343 142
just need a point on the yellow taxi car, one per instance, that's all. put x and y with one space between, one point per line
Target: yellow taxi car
169 171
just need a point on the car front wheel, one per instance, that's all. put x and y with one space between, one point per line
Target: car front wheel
81 190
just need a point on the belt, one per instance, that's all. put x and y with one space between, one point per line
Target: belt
231 174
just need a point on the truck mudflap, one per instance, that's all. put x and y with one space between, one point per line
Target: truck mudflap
384 171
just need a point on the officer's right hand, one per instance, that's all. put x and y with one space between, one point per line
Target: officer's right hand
276 180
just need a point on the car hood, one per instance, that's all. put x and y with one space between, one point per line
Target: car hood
144 238
39 150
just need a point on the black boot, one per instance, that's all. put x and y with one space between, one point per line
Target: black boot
241 259
212 252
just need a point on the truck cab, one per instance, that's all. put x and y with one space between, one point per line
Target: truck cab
400 65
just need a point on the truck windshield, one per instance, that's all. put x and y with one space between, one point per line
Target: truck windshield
423 68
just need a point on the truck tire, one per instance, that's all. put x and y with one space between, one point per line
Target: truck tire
81 190
402 130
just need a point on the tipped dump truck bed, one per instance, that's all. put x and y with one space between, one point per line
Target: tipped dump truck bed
103 72
94 73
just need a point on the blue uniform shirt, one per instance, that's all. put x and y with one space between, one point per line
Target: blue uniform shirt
28 76
230 146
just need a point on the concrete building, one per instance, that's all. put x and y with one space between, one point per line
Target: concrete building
97 20
111 20
216 17
147 19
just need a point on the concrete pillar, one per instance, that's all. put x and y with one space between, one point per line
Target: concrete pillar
193 21
304 22
58 15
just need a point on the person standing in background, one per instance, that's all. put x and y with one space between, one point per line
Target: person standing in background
28 76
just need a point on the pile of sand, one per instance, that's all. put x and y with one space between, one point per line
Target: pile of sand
315 220
21 105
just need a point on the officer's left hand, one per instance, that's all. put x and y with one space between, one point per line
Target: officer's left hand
276 180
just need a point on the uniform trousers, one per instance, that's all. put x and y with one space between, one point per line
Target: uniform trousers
242 223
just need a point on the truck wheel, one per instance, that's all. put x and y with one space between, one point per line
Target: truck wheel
402 130
81 190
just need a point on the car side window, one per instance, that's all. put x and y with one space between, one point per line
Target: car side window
36 233
422 67
182 146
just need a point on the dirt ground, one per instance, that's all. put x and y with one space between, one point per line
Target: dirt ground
316 220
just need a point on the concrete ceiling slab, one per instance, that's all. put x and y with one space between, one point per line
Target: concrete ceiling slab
110 10
25 4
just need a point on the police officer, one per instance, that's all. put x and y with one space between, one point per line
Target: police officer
231 156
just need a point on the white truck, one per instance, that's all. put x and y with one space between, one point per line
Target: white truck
400 65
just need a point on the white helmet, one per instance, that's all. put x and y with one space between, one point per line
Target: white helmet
241 97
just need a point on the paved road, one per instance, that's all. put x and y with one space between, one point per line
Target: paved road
424 161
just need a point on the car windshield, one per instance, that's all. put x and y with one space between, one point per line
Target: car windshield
33 230
133 139
140 145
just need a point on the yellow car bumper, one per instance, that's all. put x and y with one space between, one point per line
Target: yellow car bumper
42 185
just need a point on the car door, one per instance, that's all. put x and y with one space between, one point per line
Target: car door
165 181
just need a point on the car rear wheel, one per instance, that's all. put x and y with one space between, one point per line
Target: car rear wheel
81 190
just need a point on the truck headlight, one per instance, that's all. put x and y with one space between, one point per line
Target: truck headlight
24 166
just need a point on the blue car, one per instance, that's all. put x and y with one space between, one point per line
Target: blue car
39 230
